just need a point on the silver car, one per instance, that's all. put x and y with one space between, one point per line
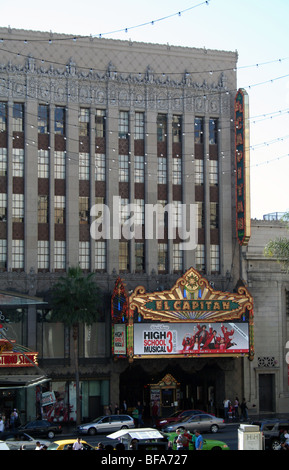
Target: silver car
202 422
105 424
19 439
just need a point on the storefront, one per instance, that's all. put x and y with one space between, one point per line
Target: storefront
192 334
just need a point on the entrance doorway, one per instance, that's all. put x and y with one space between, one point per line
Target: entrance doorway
267 392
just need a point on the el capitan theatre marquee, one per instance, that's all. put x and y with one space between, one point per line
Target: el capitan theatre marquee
190 320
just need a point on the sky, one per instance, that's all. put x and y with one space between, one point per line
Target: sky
257 29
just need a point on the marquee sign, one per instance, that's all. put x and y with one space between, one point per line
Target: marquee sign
12 355
190 320
242 149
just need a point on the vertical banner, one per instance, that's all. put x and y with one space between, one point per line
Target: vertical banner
242 149
119 339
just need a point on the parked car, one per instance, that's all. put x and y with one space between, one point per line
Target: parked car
177 416
17 439
105 424
66 444
208 444
3 446
203 422
272 430
41 427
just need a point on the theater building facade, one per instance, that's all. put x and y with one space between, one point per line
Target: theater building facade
91 121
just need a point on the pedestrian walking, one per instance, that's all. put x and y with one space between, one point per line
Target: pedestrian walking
226 404
236 408
244 410
199 440
140 413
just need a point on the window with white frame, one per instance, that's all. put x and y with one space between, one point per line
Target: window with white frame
3 207
123 162
84 255
100 255
43 213
84 166
43 119
83 210
124 213
177 129
161 127
178 214
201 214
59 120
177 257
43 163
43 254
199 130
17 254
59 254
139 126
18 117
214 215
177 170
84 122
162 257
139 169
139 257
162 170
215 258
59 165
100 119
200 257
59 209
139 211
3 116
213 172
3 253
17 207
123 256
3 161
199 171
213 131
18 162
99 167
123 125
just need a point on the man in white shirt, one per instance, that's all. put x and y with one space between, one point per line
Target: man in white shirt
77 445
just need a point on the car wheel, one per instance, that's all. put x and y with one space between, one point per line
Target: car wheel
124 427
214 428
216 448
275 445
91 432
51 434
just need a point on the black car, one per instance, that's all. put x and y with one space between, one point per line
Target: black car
41 427
273 430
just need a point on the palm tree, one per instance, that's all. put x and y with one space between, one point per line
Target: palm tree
75 300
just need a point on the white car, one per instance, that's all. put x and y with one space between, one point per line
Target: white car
105 424
3 446
19 439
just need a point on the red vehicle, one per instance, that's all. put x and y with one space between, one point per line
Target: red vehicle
177 416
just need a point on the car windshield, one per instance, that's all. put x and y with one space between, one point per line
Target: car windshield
96 420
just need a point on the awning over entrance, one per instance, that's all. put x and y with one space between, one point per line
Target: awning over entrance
190 320
10 299
21 381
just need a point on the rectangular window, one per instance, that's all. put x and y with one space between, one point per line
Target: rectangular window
17 207
99 167
59 255
100 119
3 117
215 258
43 254
177 170
199 171
3 207
17 254
43 214
162 170
162 128
139 212
123 125
59 165
124 214
3 253
213 172
123 256
84 122
177 129
84 255
199 130
59 120
139 169
43 163
100 255
200 258
83 210
3 161
162 257
18 162
139 126
201 215
213 131
84 165
177 257
18 117
139 258
59 209
214 215
123 163
43 119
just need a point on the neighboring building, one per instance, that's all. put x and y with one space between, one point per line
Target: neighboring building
83 121
266 377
